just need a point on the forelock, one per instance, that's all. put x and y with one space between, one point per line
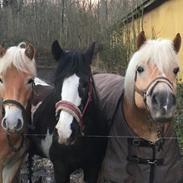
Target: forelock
15 56
159 52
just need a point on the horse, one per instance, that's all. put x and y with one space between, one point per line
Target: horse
67 123
139 107
17 72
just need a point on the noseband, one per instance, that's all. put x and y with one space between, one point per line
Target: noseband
147 92
21 107
15 103
149 89
73 109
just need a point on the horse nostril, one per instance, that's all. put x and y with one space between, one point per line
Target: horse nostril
173 99
154 99
4 123
3 111
19 125
75 130
55 134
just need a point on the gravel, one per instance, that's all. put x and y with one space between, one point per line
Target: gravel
43 172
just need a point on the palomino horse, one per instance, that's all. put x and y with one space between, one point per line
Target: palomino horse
17 72
143 146
68 117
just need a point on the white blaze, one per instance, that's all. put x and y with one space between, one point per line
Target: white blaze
69 93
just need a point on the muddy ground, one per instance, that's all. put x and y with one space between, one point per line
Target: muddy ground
43 172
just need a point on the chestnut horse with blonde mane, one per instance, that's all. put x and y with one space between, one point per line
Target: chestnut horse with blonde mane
17 72
143 147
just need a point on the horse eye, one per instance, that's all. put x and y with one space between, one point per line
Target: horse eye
176 70
1 81
30 81
140 69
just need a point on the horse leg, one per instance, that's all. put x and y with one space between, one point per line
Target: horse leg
61 173
10 171
91 174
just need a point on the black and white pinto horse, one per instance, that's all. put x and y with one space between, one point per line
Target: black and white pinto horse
67 124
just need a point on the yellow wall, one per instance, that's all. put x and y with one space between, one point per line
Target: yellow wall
164 21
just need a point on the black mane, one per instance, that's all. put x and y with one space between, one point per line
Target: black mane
72 62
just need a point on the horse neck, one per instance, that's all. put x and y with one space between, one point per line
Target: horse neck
93 117
141 124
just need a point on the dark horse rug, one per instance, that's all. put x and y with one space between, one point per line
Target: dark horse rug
130 159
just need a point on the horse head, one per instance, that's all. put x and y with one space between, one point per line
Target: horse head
17 72
74 86
150 82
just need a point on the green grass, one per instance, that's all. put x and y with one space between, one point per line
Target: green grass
178 121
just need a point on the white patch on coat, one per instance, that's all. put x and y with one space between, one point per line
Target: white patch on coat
34 108
39 81
12 115
69 93
7 174
12 165
46 143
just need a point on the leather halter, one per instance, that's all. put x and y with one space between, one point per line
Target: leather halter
153 161
16 103
21 107
148 91
73 109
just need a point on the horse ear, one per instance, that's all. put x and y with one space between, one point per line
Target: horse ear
89 53
2 51
30 51
177 42
141 38
57 51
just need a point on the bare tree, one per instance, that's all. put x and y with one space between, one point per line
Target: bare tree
75 23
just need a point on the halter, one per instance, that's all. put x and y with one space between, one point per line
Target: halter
14 102
22 108
148 91
153 162
73 109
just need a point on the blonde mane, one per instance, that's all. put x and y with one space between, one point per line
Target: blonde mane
159 52
15 56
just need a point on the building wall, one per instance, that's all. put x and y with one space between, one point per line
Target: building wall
164 21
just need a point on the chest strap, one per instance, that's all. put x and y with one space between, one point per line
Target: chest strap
138 160
152 162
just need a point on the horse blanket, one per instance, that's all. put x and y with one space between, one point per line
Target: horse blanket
128 158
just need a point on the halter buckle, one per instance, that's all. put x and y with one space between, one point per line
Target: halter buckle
152 162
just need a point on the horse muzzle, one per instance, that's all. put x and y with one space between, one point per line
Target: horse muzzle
162 105
159 98
13 116
69 135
